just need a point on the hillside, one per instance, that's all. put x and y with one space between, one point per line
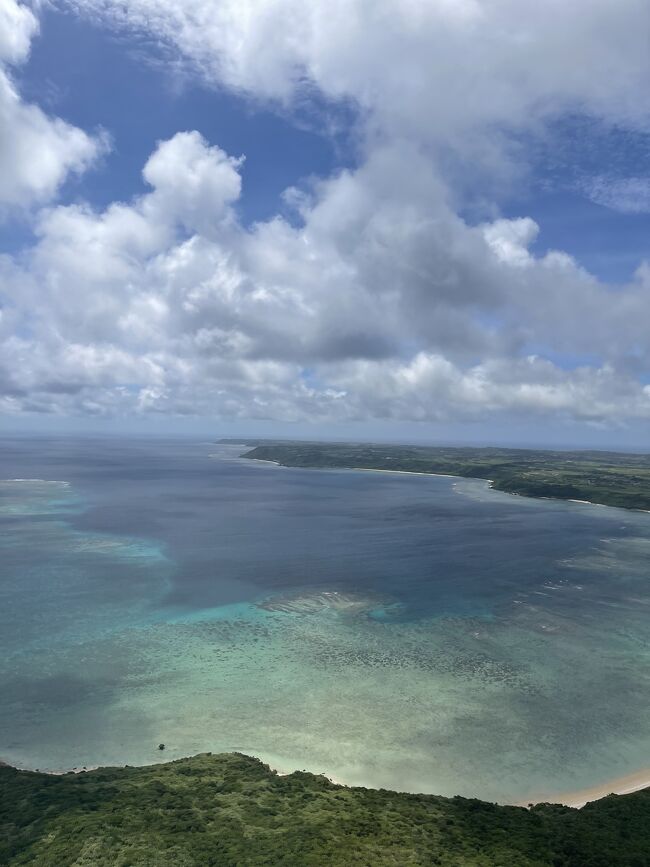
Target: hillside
231 810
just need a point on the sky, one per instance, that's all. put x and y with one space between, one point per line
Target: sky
415 220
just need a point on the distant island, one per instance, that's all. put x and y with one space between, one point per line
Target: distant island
230 810
605 478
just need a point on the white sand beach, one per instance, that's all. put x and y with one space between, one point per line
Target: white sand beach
617 786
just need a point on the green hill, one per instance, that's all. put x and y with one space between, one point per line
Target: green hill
233 810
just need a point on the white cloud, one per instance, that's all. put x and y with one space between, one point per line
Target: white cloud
379 300
37 152
383 304
429 388
18 25
433 70
510 239
194 183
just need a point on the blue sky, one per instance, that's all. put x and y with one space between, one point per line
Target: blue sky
95 78
459 256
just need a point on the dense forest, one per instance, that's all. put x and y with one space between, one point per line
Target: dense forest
231 810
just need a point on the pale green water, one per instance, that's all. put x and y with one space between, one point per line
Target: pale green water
493 646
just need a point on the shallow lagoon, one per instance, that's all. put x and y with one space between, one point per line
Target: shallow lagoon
419 633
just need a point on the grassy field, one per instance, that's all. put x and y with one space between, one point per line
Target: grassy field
231 810
610 478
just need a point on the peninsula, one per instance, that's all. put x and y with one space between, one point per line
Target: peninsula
606 478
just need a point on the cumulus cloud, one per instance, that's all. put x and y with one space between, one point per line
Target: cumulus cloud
433 71
429 387
37 151
377 305
378 299
18 24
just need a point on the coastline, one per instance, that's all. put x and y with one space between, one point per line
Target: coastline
406 472
371 470
624 785
453 476
55 772
577 799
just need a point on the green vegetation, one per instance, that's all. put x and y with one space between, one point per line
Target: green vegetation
233 810
609 478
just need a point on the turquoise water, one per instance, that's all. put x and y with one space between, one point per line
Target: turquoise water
425 634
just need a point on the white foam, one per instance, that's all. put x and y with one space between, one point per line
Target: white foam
39 481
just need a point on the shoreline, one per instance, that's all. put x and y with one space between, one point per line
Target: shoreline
405 472
490 483
623 785
372 470
58 772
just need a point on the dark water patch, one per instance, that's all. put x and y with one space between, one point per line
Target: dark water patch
55 691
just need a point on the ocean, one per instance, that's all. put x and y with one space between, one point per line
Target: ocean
418 633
